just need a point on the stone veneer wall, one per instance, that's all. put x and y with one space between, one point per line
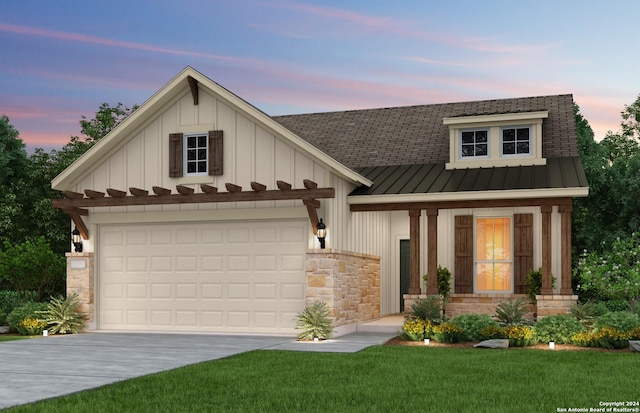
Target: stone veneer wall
469 303
554 304
348 282
486 304
80 280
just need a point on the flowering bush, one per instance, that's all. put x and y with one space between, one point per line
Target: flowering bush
492 332
519 336
620 320
607 337
447 333
416 329
614 274
31 327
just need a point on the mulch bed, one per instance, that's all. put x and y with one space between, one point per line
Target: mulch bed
398 341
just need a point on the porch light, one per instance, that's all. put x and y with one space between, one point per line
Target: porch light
76 239
322 233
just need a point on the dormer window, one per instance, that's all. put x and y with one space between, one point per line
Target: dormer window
516 141
474 143
485 141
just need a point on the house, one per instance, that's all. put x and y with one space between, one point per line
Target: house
200 213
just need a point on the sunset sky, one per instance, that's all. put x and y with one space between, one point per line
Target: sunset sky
61 59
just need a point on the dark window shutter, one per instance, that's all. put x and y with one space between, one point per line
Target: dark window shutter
216 154
175 155
464 254
523 250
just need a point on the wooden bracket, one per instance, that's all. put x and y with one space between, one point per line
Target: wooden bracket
77 220
312 205
193 85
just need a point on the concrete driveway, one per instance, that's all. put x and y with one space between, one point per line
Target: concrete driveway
42 368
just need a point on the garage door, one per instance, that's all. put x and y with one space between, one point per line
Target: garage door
205 277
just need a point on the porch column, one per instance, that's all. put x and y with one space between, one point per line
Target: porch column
414 251
565 277
546 249
432 250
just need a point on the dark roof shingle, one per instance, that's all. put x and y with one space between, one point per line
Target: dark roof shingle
416 135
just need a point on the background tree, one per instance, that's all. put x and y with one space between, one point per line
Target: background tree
612 166
25 181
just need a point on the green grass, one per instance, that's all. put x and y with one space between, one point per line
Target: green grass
11 338
379 379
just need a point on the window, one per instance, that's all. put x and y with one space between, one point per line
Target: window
474 143
493 252
195 156
516 140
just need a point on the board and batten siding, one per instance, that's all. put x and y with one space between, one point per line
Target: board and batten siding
363 232
251 153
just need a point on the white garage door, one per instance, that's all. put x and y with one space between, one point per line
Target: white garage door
209 277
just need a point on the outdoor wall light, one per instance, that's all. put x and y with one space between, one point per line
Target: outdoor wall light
322 233
76 239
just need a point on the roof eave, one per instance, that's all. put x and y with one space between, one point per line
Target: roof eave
67 179
470 196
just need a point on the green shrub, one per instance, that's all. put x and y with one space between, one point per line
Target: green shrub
620 320
315 322
587 312
416 329
617 305
29 309
429 308
558 328
63 315
473 324
32 266
12 299
444 281
520 336
3 318
512 312
613 274
447 333
534 284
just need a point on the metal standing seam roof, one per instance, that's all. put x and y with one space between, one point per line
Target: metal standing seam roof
564 172
403 150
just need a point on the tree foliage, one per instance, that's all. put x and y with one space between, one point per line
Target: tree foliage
612 167
32 267
25 181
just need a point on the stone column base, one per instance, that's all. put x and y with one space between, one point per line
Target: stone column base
80 280
554 304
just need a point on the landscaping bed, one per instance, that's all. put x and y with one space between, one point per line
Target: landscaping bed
399 341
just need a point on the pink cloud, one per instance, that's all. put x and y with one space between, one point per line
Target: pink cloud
393 26
82 38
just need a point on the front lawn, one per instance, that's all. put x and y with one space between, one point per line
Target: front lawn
7 337
379 379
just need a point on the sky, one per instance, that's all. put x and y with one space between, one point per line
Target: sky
59 60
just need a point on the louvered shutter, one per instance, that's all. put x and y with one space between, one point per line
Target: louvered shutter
464 254
175 155
523 250
216 154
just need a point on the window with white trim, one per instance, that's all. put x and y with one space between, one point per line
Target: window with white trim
516 141
493 255
474 143
196 160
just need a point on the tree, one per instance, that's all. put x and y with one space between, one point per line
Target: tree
13 156
612 167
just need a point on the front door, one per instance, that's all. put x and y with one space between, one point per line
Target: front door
404 271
